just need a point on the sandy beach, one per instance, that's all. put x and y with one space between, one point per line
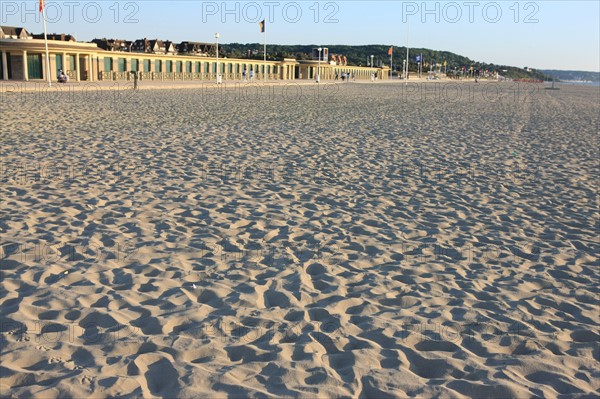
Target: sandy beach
351 240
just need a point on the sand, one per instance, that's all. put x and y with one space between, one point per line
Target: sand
357 240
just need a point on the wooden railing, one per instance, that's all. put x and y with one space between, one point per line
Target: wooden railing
112 76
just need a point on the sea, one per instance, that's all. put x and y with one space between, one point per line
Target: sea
597 84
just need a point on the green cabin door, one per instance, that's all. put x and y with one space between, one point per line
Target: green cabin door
59 63
134 65
34 66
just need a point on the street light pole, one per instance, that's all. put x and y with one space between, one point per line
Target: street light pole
319 66
217 39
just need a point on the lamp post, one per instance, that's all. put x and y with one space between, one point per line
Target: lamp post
319 66
217 39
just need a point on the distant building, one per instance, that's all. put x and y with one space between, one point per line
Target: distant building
113 44
56 36
336 59
145 46
12 32
196 48
324 54
170 47
153 46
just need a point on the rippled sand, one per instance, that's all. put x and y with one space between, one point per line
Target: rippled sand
358 240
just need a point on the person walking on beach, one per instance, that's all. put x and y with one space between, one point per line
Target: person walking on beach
135 80
251 74
244 74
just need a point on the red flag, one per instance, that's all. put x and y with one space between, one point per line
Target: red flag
390 51
41 5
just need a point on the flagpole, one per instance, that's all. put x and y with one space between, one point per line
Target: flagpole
392 63
265 55
46 42
407 59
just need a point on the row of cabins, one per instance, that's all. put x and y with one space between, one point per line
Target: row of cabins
23 58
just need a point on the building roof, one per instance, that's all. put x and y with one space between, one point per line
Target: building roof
56 36
113 44
14 32
195 47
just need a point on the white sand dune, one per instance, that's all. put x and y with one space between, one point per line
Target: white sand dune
352 241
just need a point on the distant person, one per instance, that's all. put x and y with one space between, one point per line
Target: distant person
135 80
244 74
62 78
251 74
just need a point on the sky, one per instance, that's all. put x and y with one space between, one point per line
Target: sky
537 34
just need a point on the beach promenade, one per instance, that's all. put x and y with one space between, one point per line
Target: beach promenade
344 240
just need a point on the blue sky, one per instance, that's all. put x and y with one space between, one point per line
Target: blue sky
540 34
